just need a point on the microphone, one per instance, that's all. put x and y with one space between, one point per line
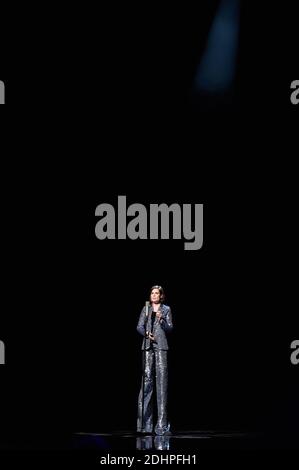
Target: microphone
146 316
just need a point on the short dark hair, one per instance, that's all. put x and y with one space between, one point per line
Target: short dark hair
161 290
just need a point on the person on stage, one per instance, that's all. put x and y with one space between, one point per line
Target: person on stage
154 323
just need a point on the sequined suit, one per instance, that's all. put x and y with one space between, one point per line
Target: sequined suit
155 368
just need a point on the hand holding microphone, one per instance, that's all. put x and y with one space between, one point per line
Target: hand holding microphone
155 315
150 336
159 315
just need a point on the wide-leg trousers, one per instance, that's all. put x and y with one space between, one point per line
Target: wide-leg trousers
155 370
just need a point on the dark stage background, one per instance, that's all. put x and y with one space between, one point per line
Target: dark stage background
73 353
109 113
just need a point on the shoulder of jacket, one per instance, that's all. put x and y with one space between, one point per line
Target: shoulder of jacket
166 307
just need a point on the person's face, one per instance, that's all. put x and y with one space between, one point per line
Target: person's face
155 296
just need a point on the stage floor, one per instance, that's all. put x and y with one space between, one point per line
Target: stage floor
184 441
177 442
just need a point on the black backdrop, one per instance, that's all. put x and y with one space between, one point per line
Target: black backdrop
73 353
72 301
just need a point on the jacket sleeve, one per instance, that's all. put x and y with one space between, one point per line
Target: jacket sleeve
141 323
166 322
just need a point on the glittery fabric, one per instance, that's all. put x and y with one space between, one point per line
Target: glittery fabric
151 442
155 373
160 328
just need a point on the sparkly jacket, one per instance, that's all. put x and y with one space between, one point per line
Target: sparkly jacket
160 328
